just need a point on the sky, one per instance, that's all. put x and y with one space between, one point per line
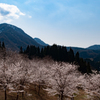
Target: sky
62 22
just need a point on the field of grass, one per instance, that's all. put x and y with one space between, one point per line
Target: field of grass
32 94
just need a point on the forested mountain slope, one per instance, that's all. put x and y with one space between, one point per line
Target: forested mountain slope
14 37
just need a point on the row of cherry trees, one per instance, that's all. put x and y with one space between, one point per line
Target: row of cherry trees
58 78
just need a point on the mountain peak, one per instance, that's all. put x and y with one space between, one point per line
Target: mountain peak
15 37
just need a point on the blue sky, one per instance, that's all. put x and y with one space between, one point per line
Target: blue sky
64 22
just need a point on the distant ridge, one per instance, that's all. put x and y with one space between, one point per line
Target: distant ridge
15 37
94 47
40 42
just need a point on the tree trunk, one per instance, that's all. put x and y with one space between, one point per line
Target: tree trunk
72 98
5 94
59 97
35 87
22 94
62 95
98 98
39 89
17 96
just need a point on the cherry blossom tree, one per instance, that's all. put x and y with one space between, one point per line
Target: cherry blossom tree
7 70
92 85
63 81
22 77
14 72
40 73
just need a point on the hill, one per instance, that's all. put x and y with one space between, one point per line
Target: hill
85 53
40 42
94 47
15 37
89 55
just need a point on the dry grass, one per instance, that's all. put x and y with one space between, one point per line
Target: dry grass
32 94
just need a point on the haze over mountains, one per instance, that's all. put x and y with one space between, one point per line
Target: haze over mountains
15 37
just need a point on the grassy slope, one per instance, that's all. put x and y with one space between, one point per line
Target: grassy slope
34 95
43 95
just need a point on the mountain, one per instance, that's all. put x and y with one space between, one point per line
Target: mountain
85 52
15 37
40 42
94 47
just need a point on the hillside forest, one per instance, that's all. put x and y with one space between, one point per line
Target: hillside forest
57 53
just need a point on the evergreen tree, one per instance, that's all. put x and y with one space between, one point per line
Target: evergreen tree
77 59
64 54
0 44
21 50
27 50
54 52
71 56
3 45
32 51
42 53
47 50
38 52
60 54
89 68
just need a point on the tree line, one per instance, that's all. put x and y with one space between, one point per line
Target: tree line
57 53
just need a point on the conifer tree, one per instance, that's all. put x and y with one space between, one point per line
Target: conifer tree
89 68
77 60
38 52
0 44
21 50
71 55
42 53
3 45
27 50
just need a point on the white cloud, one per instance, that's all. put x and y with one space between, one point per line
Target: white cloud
9 12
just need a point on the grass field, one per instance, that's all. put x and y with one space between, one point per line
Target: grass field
32 94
